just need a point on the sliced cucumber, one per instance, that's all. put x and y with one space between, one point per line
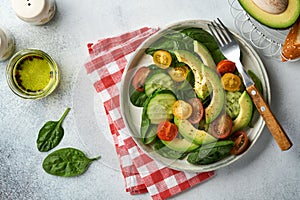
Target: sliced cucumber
160 106
159 80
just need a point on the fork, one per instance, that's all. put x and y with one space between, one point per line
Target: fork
231 50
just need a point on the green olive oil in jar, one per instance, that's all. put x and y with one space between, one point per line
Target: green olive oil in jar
32 74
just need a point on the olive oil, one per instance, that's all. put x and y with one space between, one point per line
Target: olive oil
32 74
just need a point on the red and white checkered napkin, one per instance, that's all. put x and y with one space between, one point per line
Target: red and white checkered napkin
142 174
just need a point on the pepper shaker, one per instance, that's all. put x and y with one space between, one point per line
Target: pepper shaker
7 44
36 12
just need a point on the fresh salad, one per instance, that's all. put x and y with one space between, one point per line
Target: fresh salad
194 103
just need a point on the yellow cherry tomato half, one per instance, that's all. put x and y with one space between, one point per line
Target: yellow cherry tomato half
182 109
231 82
162 59
178 73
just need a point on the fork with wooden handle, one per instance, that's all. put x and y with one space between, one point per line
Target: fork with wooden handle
231 50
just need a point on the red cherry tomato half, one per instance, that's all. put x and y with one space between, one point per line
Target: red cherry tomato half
197 111
221 127
166 131
226 66
139 78
241 142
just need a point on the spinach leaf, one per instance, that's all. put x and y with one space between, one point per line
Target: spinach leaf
67 162
51 134
207 40
137 98
184 40
186 90
145 124
256 80
170 42
203 125
211 152
151 134
258 85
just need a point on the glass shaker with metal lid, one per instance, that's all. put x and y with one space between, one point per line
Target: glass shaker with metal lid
36 12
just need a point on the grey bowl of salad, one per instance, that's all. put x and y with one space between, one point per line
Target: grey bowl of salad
185 103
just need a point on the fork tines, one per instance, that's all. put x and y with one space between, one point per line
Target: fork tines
220 32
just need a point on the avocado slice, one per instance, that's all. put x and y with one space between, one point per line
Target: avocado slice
180 145
245 114
190 133
204 54
274 20
166 152
206 80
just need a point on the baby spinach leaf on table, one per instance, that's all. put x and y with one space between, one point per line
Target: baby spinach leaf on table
51 134
67 162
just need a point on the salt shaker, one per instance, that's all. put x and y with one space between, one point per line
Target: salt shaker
7 44
36 12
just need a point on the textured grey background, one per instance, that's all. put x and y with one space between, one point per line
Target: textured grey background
264 173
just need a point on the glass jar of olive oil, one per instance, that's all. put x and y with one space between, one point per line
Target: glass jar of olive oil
32 74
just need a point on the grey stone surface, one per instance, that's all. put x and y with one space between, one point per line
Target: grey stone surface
263 173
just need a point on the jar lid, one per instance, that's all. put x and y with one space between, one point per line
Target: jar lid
28 9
